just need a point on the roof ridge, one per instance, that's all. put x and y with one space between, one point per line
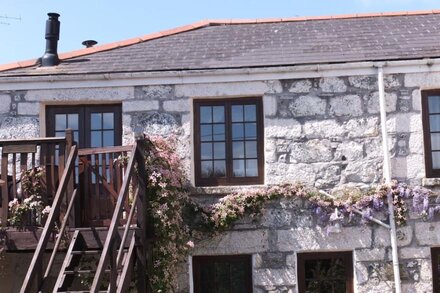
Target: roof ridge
205 23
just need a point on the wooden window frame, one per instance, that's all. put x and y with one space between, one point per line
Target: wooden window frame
84 111
347 257
229 179
198 261
429 170
435 255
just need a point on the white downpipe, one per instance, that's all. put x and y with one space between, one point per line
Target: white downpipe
387 176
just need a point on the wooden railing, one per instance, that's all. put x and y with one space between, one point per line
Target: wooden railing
18 156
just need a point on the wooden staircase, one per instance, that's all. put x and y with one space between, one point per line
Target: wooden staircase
108 259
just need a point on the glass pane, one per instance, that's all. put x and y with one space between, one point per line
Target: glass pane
206 151
237 113
237 131
219 150
435 160
219 168
434 104
60 122
60 133
435 141
205 114
250 113
108 121
206 132
206 169
238 168
76 136
73 121
218 114
96 139
238 149
434 122
219 132
251 168
109 136
238 277
251 130
251 149
96 121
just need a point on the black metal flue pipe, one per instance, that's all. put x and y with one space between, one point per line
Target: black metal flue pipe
50 57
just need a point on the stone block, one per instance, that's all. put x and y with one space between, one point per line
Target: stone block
370 254
349 105
312 151
154 92
82 94
276 218
325 128
362 127
5 103
414 252
270 105
382 236
422 80
391 81
234 242
156 123
332 85
291 261
309 239
31 109
410 167
417 100
350 150
307 106
300 86
424 287
252 88
416 145
427 233
363 82
361 273
373 102
274 86
404 122
140 106
367 171
179 105
274 277
285 128
281 173
19 127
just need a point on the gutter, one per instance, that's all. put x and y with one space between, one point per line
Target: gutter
53 79
387 177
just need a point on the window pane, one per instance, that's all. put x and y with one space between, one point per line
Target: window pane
219 132
251 168
206 169
436 160
251 130
206 114
237 131
218 114
434 122
219 150
96 121
238 168
206 132
73 121
219 168
237 113
238 149
251 149
96 139
206 151
76 136
60 133
108 121
434 104
250 113
60 122
109 136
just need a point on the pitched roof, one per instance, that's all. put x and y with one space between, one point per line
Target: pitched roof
258 43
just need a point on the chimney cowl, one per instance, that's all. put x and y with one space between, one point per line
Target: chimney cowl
50 57
89 43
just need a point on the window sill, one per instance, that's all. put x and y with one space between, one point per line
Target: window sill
223 189
430 182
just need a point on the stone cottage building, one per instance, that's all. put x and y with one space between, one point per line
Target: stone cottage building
265 102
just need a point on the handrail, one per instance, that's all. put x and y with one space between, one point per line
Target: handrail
32 140
50 222
104 150
108 245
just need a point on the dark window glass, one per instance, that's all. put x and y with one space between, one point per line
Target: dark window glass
325 272
222 274
435 258
228 141
431 128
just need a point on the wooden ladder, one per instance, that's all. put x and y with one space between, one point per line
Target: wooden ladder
124 246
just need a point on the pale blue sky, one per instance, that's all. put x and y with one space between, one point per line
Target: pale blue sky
113 20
